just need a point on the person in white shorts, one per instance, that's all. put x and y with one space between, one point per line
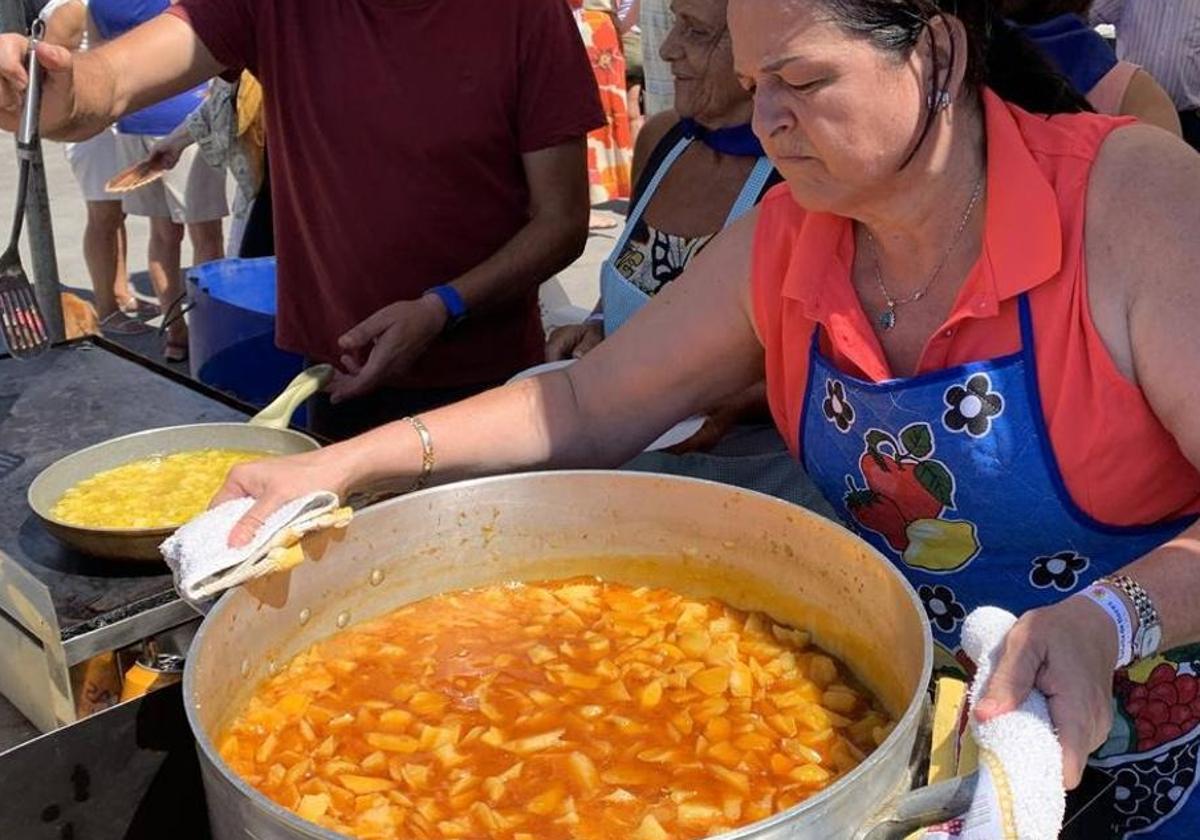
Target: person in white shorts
191 195
93 162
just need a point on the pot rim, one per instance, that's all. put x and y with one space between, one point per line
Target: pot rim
915 708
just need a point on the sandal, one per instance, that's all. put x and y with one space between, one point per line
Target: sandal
120 323
175 350
135 307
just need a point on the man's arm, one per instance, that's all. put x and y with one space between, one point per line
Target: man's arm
85 92
395 336
554 236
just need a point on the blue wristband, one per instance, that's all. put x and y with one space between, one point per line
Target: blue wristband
456 308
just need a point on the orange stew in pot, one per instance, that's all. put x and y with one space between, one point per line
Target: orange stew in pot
567 709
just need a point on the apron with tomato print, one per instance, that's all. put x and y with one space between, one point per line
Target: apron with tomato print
951 476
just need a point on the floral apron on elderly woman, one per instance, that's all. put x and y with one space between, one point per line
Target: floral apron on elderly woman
950 474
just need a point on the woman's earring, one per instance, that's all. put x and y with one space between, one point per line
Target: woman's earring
942 101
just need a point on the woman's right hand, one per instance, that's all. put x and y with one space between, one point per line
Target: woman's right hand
273 482
573 341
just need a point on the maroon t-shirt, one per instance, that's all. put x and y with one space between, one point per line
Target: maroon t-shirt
395 130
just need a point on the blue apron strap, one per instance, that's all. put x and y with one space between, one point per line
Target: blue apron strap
1026 323
644 199
751 190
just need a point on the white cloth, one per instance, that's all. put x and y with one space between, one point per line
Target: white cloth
204 565
1020 792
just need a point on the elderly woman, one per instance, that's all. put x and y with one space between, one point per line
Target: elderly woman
974 305
697 169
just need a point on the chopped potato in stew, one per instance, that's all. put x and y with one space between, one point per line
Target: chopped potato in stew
570 709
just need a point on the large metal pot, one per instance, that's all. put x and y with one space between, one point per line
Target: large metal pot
266 432
697 537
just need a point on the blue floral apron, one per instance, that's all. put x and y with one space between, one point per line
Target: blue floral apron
622 298
950 474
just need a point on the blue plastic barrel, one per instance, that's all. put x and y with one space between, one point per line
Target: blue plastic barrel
232 330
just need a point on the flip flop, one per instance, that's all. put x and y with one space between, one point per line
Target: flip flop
175 352
121 323
135 307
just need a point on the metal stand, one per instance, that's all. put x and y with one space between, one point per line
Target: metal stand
14 17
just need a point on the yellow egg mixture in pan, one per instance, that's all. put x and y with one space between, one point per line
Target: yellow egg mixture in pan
163 491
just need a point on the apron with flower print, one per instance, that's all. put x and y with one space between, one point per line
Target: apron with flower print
622 298
950 474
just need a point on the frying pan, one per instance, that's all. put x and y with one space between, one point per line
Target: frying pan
266 432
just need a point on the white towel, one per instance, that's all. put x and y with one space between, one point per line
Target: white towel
1020 792
204 565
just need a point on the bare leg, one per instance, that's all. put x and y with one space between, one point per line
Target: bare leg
104 254
207 241
165 240
636 118
122 288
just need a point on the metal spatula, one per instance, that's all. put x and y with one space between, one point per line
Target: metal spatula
21 320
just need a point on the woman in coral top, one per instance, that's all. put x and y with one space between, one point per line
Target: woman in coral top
976 305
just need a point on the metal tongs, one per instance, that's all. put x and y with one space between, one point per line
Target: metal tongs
21 320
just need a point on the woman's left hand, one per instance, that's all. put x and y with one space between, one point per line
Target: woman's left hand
1067 651
717 424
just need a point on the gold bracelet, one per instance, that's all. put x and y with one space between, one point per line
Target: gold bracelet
426 453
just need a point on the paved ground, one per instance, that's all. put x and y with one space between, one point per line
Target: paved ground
569 295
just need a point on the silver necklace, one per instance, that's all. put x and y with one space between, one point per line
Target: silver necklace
887 318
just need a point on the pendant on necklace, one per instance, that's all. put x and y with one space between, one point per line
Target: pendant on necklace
887 319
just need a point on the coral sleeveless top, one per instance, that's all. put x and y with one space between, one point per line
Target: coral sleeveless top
1119 464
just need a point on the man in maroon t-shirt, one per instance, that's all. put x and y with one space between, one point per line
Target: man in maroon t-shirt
428 171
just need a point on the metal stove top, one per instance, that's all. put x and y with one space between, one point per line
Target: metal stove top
77 394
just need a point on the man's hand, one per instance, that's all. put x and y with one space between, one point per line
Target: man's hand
58 86
392 339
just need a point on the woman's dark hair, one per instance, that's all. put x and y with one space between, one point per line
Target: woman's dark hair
997 55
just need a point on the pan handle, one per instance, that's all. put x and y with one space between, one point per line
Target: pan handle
922 807
278 414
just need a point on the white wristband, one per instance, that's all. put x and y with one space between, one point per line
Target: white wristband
1119 613
594 318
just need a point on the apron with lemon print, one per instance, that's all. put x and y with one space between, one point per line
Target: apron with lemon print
950 474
